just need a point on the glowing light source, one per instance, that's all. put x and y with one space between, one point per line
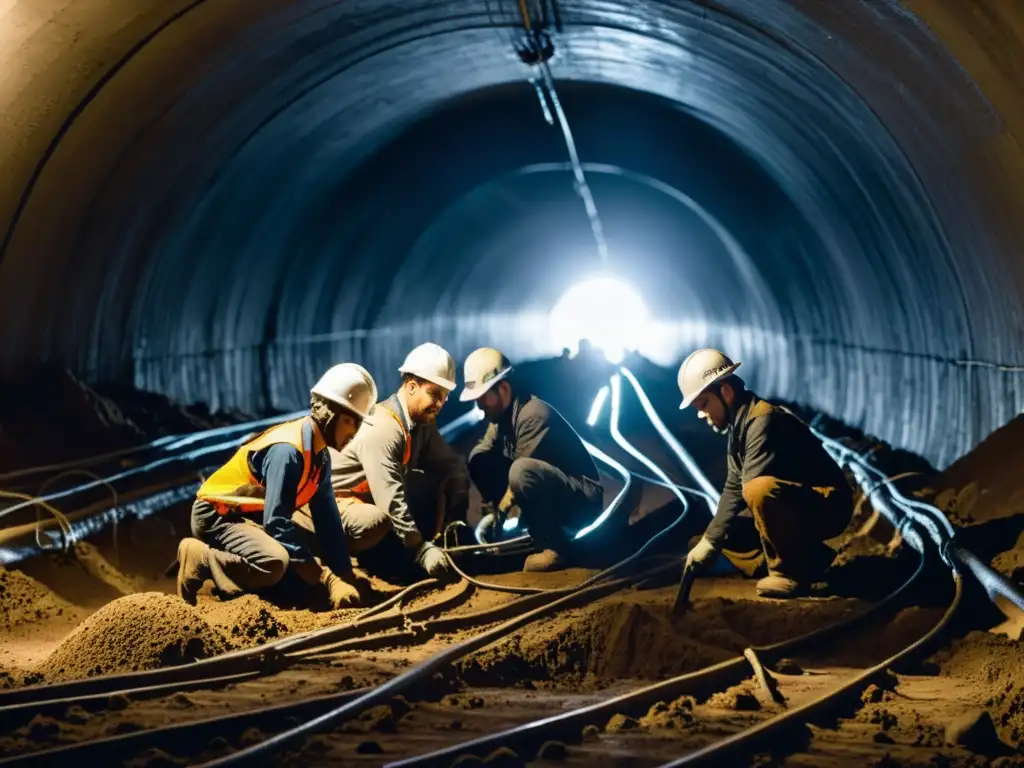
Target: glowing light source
606 311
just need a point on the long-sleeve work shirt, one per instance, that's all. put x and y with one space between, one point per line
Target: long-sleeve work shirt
278 467
766 440
374 462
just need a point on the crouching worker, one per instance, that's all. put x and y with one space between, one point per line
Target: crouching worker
530 464
784 496
245 539
398 475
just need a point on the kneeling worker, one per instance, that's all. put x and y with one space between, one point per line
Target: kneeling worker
530 460
784 496
267 479
399 474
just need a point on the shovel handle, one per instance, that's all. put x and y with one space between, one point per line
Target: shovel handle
683 593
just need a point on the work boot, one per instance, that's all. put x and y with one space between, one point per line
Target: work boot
781 587
545 560
193 568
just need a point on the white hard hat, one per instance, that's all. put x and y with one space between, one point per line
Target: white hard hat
349 385
700 370
433 363
484 368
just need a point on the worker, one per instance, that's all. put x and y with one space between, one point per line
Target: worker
269 477
784 496
530 465
398 474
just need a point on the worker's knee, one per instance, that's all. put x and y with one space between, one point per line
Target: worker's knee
526 476
761 491
268 566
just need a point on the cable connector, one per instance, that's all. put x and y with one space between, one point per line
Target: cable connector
535 48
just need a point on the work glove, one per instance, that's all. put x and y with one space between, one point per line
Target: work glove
701 556
341 593
433 560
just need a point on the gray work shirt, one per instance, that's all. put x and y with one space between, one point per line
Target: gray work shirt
530 428
766 440
371 466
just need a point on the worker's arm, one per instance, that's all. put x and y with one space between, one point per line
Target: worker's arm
380 450
282 472
532 428
488 443
323 508
730 504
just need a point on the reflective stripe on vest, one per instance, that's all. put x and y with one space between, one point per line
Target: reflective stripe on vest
234 488
363 488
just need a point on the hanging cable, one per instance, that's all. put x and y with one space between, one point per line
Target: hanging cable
540 56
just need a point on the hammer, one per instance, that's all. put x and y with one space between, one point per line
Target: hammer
682 601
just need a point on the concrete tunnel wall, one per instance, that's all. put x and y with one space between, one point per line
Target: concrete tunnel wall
206 201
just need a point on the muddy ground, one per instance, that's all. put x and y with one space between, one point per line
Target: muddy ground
104 609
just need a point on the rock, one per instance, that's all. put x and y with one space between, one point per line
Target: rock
553 750
882 738
590 733
975 731
503 757
475 702
369 748
622 722
788 667
467 761
76 715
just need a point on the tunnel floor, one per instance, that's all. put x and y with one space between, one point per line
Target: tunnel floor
107 608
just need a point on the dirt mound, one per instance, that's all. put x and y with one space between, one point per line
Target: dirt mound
1011 562
995 664
23 600
247 621
633 636
985 484
143 631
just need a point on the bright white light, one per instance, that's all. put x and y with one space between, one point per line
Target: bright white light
597 406
606 311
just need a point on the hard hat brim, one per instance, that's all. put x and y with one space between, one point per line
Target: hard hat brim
474 393
688 401
444 383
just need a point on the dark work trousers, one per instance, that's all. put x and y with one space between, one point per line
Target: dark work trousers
793 521
553 506
243 557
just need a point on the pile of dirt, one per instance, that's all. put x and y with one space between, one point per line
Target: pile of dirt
23 600
246 621
634 637
994 666
986 484
143 631
676 715
1010 563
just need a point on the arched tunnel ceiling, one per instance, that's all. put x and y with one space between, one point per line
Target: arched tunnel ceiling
216 204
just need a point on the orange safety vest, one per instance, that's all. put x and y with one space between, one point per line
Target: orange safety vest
363 488
234 488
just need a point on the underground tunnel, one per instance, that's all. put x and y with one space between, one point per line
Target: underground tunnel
206 204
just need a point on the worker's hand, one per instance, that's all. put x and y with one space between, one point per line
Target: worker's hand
506 502
341 593
701 556
433 560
